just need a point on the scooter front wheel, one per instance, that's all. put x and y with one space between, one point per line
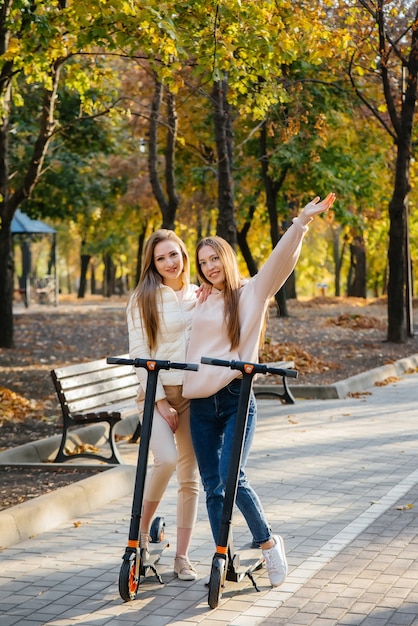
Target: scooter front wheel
216 582
128 582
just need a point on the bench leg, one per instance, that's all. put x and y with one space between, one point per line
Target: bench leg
61 457
286 397
136 434
114 457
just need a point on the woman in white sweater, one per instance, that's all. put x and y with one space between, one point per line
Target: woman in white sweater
159 319
227 325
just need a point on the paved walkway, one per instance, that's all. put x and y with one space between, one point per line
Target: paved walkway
339 481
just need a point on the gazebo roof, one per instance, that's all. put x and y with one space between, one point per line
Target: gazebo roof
23 224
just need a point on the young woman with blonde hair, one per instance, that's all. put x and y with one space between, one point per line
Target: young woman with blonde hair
227 325
159 319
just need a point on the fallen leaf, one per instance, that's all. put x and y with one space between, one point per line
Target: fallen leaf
356 321
82 447
387 381
358 394
304 362
15 407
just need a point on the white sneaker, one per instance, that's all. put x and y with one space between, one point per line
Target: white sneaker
184 569
276 563
145 549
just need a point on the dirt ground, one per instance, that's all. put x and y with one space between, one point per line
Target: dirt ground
329 339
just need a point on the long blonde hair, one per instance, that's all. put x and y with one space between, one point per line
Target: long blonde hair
232 285
147 288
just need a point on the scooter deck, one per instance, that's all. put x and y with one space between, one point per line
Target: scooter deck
156 550
244 561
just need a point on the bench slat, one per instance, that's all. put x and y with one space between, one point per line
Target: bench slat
104 399
79 384
91 366
67 382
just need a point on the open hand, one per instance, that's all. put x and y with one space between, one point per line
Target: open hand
315 207
203 292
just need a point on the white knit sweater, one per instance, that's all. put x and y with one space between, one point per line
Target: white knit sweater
175 323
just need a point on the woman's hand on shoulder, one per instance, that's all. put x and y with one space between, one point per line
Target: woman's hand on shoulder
168 413
315 207
203 292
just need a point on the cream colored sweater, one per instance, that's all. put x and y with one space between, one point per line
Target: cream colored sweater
209 332
175 323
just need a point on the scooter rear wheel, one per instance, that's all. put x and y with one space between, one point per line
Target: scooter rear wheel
157 530
216 582
128 583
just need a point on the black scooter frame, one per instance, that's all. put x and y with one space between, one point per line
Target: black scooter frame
132 566
226 563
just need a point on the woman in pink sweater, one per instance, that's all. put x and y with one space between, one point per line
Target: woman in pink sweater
228 325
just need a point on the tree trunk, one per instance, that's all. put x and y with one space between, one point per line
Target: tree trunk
243 243
109 276
10 202
357 275
272 188
6 286
402 123
226 226
85 260
92 278
338 257
6 212
290 287
141 240
396 250
167 199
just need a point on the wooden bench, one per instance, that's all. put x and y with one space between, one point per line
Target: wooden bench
90 393
286 395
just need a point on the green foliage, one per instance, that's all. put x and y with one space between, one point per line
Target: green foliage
285 66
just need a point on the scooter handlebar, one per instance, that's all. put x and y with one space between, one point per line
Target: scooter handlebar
258 368
152 363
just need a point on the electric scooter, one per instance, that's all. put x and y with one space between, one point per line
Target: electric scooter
133 564
226 564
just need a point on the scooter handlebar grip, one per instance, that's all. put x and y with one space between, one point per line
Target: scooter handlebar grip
114 360
184 366
280 371
209 361
288 373
192 366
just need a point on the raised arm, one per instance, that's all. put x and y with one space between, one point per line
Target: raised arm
285 255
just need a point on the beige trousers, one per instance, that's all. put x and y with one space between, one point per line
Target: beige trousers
173 452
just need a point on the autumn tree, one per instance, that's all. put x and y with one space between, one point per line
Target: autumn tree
44 45
37 46
385 54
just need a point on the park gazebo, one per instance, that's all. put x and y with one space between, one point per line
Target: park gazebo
26 230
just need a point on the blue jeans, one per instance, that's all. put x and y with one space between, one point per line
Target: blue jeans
212 423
